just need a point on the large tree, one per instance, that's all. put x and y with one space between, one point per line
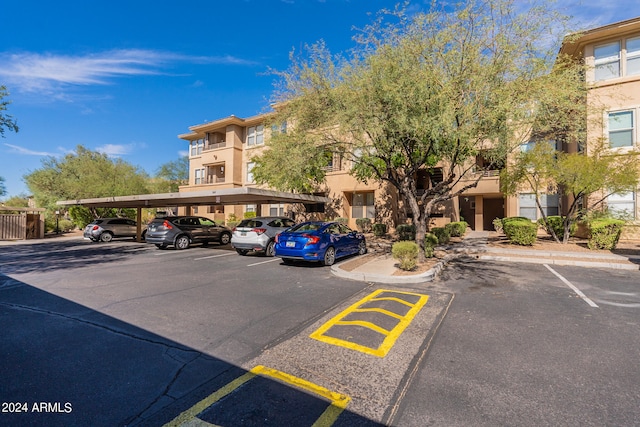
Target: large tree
173 174
6 122
421 91
84 174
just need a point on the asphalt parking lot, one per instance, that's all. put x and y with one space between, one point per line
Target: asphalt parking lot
124 334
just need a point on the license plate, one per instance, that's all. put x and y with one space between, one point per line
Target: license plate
291 244
243 233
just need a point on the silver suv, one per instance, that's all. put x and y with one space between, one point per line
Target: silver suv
105 229
258 234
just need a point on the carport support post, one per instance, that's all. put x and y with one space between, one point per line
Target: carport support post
139 225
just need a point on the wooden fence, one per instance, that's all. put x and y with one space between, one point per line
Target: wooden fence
13 227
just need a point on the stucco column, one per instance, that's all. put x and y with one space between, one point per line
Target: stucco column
479 213
139 225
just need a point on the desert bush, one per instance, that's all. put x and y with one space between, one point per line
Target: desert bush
407 253
364 224
497 224
604 233
248 215
342 220
456 229
406 232
554 223
430 242
379 229
442 233
521 231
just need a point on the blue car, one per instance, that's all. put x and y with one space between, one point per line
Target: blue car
319 241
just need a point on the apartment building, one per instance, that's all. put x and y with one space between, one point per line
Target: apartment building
612 54
221 151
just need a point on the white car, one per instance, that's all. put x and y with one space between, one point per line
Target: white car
258 234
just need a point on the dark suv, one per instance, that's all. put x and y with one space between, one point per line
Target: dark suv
105 229
182 231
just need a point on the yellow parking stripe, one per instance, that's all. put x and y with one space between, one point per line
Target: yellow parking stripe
337 402
391 336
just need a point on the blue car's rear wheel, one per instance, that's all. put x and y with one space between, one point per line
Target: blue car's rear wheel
329 256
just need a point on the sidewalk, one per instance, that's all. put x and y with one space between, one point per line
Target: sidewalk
383 269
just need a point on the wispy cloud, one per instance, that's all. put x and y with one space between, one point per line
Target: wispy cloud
27 152
118 150
51 74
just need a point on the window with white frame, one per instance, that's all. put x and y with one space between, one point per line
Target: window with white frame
363 205
622 205
607 61
250 167
621 129
633 56
199 176
529 209
255 135
196 147
276 209
250 208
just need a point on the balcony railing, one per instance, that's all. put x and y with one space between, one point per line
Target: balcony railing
213 179
209 147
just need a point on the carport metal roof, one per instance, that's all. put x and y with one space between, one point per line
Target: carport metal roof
226 196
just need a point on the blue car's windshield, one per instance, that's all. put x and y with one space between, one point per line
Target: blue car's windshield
301 228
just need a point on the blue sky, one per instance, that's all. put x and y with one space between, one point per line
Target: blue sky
126 77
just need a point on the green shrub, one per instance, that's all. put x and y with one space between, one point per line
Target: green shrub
497 225
379 229
232 224
604 233
406 232
64 225
249 215
364 224
521 232
555 222
430 242
457 229
342 220
407 253
442 234
513 218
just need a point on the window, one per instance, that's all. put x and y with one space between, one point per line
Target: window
622 205
633 56
196 147
250 167
255 135
199 176
528 208
621 129
282 128
363 206
250 208
607 61
276 210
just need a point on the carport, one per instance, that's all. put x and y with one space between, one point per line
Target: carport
226 196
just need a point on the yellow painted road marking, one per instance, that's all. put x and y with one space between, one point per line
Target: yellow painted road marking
390 335
337 402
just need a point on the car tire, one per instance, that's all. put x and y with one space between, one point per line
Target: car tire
362 248
225 238
161 246
270 250
144 235
106 237
182 242
329 256
242 252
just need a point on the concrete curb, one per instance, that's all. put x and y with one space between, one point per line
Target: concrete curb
555 261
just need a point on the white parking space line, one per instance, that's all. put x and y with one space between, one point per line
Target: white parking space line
213 256
264 262
569 284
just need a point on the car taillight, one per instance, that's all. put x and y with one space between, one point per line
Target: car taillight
277 238
167 225
259 231
234 229
95 227
312 240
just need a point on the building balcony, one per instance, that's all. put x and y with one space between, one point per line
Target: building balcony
209 147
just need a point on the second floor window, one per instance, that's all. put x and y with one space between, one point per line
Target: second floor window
250 166
633 56
255 135
199 178
621 129
607 61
